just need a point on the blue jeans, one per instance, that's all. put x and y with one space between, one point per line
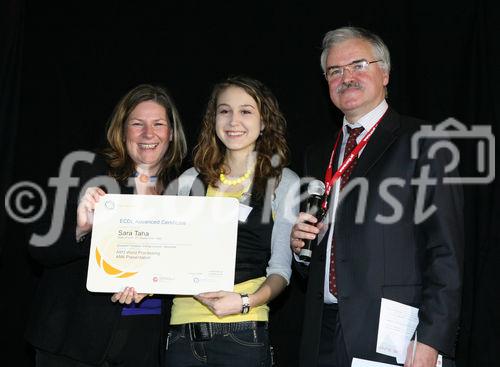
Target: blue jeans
244 348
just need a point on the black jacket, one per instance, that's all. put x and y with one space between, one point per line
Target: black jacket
66 319
416 264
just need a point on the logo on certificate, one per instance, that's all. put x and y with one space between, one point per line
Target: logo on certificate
109 269
116 259
109 204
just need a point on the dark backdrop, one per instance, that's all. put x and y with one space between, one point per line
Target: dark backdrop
64 67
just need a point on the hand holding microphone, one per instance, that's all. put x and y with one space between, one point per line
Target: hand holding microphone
305 230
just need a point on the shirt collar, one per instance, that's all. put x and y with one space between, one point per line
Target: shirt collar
367 121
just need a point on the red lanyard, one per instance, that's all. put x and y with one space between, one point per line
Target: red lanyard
329 179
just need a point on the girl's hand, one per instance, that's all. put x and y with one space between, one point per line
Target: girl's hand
221 303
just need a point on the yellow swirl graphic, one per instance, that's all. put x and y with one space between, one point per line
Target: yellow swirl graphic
111 270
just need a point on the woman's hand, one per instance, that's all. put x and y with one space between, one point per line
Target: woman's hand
127 296
85 210
221 303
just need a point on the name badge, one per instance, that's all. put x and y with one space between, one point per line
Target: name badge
244 212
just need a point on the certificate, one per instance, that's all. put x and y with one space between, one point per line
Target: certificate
397 324
163 244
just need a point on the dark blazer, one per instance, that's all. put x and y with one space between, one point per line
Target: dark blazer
66 319
419 264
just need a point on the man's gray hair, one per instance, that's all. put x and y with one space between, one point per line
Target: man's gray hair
380 50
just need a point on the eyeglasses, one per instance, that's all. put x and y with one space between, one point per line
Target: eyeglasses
358 66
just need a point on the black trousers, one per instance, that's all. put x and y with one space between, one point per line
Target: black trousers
332 350
136 343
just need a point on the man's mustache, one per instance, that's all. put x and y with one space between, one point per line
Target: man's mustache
344 86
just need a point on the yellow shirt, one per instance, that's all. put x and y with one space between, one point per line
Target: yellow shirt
186 309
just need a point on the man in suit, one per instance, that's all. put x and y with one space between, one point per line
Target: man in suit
393 229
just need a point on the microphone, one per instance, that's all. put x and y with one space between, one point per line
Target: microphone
316 190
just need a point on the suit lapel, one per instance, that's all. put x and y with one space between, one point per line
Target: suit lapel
385 134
